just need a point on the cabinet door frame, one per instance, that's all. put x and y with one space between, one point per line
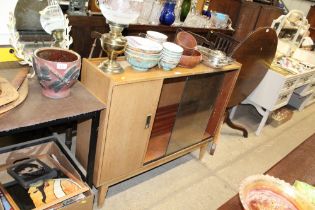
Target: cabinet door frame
124 151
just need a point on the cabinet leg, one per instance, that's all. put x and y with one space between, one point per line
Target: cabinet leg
102 191
68 141
202 151
213 146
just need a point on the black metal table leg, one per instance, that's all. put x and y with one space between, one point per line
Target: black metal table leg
68 138
92 149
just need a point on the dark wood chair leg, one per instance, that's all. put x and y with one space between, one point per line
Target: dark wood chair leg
235 126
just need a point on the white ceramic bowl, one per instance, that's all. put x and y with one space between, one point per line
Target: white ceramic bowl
143 54
155 40
157 36
143 44
169 46
141 63
172 55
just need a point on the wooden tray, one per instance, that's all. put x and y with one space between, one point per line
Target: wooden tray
9 198
7 92
22 94
55 164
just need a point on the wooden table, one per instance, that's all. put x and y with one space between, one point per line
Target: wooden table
38 111
297 165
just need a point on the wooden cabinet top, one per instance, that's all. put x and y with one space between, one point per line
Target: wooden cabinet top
130 75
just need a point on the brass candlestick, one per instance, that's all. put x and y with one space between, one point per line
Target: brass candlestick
113 43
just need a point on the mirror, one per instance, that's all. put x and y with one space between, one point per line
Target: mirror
291 27
26 30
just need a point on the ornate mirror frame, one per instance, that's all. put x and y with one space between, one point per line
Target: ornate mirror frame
26 55
301 28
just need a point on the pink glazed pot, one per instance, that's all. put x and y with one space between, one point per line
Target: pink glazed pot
57 70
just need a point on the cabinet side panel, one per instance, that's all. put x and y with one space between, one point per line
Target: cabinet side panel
99 85
221 103
127 136
247 19
267 15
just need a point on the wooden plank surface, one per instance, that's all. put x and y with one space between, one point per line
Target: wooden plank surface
37 109
155 73
297 165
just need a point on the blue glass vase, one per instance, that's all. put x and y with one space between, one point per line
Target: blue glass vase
168 13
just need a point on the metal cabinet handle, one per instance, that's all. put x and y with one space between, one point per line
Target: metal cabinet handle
148 121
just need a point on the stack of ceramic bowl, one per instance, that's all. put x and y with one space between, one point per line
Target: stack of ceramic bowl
171 55
191 57
156 36
142 53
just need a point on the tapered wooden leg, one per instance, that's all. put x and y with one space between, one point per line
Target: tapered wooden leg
202 151
102 191
213 144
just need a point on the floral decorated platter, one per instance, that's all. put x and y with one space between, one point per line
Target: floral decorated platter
264 192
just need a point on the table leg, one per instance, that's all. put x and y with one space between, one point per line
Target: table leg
102 191
68 141
232 113
262 122
92 148
263 112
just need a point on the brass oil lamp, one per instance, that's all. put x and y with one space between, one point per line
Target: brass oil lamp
119 14
113 43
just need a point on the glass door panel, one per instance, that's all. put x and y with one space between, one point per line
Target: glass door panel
165 117
196 106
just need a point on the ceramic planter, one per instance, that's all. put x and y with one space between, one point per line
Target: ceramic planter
57 70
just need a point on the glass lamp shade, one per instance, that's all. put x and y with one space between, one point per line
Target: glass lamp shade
52 18
122 12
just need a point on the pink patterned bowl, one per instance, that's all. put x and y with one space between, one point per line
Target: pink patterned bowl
260 192
57 70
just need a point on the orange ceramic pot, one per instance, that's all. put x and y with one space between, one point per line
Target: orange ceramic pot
186 41
57 70
190 61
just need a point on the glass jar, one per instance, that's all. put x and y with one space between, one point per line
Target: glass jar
177 12
146 11
155 13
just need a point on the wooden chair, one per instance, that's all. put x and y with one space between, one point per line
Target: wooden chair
96 36
203 41
222 42
215 40
256 54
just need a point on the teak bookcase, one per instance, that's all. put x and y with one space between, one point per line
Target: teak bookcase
152 117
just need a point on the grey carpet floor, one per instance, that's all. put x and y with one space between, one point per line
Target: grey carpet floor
189 184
